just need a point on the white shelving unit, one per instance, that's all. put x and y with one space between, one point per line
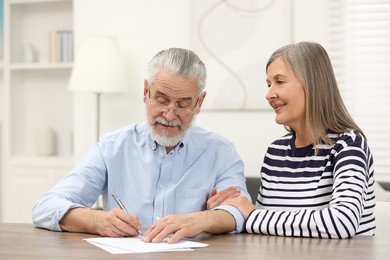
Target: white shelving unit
35 94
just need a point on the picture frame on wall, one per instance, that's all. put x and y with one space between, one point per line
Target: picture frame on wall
233 38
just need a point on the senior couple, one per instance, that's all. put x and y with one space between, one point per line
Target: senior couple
178 180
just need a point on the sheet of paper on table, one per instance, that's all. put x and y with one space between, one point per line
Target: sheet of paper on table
132 245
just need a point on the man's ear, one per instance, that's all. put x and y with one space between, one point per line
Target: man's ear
146 87
200 101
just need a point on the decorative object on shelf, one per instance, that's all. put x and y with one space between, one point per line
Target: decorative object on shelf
45 141
30 54
99 68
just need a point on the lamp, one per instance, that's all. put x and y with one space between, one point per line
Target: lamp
99 68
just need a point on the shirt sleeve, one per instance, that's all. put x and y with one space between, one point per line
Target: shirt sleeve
236 215
233 175
80 188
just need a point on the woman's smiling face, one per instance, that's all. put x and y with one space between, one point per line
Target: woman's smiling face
286 95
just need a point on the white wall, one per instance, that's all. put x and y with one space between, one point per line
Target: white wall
144 28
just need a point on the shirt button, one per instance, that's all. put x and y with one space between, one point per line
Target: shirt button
157 218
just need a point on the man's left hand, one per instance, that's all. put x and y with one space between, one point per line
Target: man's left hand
190 225
180 226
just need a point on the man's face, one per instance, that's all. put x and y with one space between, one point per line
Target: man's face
171 104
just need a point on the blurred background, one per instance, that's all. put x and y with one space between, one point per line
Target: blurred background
48 124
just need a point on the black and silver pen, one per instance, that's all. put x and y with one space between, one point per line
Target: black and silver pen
122 206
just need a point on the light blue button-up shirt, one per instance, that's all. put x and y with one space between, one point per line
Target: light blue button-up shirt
150 182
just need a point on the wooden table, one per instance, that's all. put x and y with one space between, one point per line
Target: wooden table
23 241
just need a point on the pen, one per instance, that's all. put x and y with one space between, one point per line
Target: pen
122 206
119 202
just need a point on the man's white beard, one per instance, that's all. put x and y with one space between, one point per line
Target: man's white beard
164 140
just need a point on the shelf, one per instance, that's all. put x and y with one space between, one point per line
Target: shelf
31 26
15 2
34 88
41 161
41 66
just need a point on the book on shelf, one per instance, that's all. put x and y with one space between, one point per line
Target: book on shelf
61 46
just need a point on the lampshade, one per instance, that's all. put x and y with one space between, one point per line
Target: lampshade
99 66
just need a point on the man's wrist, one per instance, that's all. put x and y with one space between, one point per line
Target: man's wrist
218 221
81 220
237 216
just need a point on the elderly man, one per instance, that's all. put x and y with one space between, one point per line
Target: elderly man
164 170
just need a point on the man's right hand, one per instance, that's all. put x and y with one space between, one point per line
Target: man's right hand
113 223
117 223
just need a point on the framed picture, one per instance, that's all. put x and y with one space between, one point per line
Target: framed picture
235 39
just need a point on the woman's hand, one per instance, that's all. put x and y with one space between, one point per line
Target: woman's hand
217 198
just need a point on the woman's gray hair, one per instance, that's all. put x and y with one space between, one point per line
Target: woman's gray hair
178 61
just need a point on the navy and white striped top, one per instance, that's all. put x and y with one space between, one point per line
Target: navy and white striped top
328 195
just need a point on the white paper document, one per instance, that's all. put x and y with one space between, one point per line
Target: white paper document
132 245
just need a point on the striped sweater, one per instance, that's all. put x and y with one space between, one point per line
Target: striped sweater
328 195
